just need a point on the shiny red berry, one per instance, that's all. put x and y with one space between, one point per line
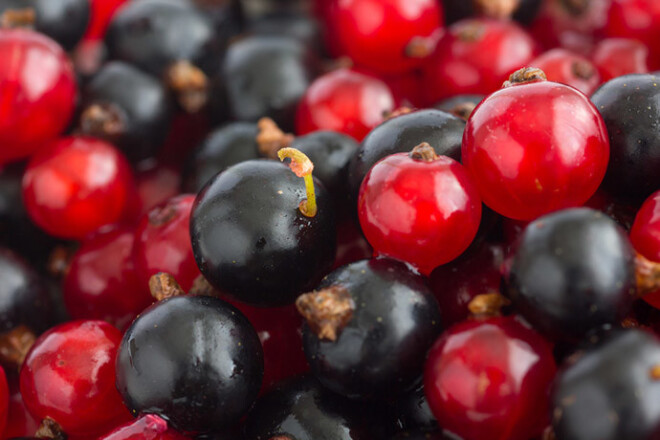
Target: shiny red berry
639 20
345 101
155 185
535 147
101 15
4 400
101 282
147 427
391 36
475 56
162 243
69 376
419 208
490 379
20 422
37 90
620 56
572 69
645 237
75 185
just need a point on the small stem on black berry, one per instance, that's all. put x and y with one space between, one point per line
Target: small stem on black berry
654 372
400 111
647 275
202 287
423 152
487 305
190 84
105 121
302 167
163 285
327 311
495 8
271 139
526 75
463 110
18 18
15 345
50 429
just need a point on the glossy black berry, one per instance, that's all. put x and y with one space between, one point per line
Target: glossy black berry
444 132
127 107
610 391
293 24
380 347
65 21
422 435
573 271
226 146
413 411
460 105
630 106
252 242
194 360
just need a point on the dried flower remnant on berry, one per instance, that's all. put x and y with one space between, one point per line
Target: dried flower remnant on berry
102 120
50 429
190 85
423 152
487 305
15 345
327 311
163 285
18 18
499 9
525 75
271 139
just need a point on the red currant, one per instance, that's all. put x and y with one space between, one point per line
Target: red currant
566 67
101 15
38 90
162 242
69 376
345 101
101 282
639 20
76 185
20 421
147 427
620 56
4 400
155 185
645 237
490 379
391 36
535 147
419 208
475 56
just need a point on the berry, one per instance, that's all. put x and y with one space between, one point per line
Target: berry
412 409
460 106
69 376
33 111
214 359
638 20
290 23
490 379
380 306
475 56
629 106
645 237
156 183
535 146
616 57
419 208
391 36
4 400
345 101
101 14
522 11
75 185
20 422
149 427
566 67
564 282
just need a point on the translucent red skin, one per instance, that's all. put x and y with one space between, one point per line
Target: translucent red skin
38 90
639 20
645 237
345 101
423 213
101 282
4 400
535 148
490 379
20 422
560 66
147 427
166 247
459 66
102 12
375 34
75 185
69 375
620 56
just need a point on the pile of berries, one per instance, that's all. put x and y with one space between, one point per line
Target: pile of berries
330 219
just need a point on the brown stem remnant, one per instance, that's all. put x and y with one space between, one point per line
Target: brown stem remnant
190 84
647 275
271 139
106 121
498 9
162 215
15 345
202 287
50 429
583 69
463 110
327 311
525 75
423 152
487 305
420 47
18 18
472 32
163 285
399 111
654 372
59 261
575 7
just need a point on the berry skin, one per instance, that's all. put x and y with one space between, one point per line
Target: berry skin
75 185
638 20
101 15
475 56
20 422
4 400
383 35
645 237
162 243
34 109
566 67
535 147
345 101
616 57
422 212
490 379
564 282
522 11
149 427
214 363
69 376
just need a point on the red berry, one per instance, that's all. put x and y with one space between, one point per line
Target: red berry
390 36
639 20
162 243
421 210
620 56
345 101
76 185
566 67
155 185
476 56
490 379
101 15
148 427
69 376
645 237
4 400
535 147
37 90
20 421
101 282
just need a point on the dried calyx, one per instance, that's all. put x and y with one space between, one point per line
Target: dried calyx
647 274
399 111
271 139
50 429
525 75
423 152
18 18
583 69
15 345
102 120
463 110
190 84
163 285
327 311
487 305
495 8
